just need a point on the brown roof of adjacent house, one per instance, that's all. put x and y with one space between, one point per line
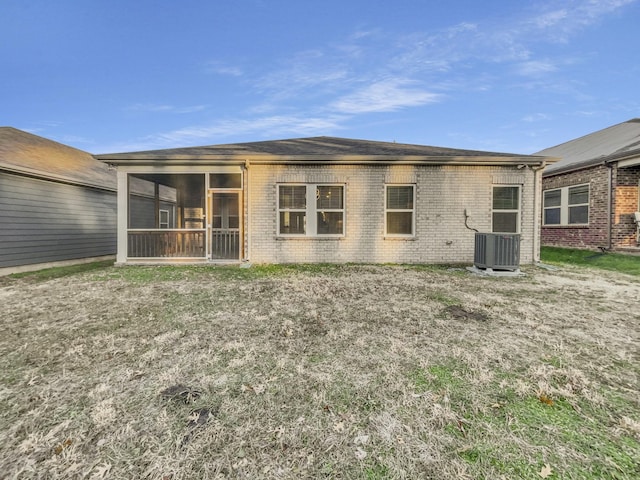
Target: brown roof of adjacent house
28 154
611 144
319 150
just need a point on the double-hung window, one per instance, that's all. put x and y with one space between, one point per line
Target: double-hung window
311 210
505 215
567 206
399 210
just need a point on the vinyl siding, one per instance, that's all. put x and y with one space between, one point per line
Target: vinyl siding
43 221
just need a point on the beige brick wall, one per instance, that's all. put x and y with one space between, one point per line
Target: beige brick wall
442 195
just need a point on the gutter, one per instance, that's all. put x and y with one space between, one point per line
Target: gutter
609 202
209 159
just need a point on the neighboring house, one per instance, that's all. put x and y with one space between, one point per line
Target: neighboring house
57 204
591 197
324 199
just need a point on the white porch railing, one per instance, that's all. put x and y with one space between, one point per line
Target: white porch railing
166 243
225 243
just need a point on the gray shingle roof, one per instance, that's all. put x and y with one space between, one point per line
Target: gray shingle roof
29 154
320 149
610 144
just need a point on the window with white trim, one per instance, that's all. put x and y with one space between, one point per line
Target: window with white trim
311 210
399 210
505 212
164 218
566 205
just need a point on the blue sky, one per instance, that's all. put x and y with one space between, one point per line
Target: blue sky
127 75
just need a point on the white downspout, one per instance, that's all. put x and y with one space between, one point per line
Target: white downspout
247 254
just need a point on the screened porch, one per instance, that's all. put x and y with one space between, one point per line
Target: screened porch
188 216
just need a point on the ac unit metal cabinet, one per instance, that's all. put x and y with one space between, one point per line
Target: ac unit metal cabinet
497 251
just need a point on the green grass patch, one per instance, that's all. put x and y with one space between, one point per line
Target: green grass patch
58 272
439 378
617 262
443 298
142 274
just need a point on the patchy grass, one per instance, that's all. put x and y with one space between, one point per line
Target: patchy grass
57 272
320 371
619 262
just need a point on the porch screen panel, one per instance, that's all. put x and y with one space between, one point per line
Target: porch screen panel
166 216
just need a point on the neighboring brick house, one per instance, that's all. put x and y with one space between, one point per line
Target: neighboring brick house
591 196
326 199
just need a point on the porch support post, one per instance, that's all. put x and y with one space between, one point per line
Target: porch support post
537 210
156 199
123 215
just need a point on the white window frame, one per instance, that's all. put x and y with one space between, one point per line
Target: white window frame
517 211
565 206
311 211
163 224
391 210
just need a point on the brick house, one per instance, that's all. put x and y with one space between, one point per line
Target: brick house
591 196
323 199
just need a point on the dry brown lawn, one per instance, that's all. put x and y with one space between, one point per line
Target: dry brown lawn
354 371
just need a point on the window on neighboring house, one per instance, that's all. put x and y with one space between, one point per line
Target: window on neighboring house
505 215
164 218
400 210
567 206
579 204
310 210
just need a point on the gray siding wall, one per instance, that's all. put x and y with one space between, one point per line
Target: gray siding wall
43 221
142 212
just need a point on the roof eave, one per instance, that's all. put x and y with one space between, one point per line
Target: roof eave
594 162
183 160
32 173
623 156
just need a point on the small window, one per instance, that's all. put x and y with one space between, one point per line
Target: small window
329 210
399 210
292 207
579 205
225 180
566 206
164 218
311 210
552 203
506 209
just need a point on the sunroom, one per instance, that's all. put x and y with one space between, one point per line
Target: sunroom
180 216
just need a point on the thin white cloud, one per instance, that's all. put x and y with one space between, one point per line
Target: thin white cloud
558 20
535 117
159 108
220 68
290 124
384 96
307 73
267 127
535 68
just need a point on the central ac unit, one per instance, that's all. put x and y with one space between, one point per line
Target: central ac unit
497 251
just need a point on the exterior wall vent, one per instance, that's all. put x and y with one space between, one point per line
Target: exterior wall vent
497 251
